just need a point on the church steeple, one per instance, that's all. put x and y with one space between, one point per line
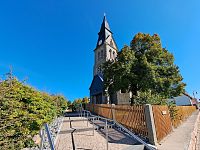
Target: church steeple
104 32
104 24
106 48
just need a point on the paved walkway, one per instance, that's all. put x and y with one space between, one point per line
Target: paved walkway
198 137
86 140
180 138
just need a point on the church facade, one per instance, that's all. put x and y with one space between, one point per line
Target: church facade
106 49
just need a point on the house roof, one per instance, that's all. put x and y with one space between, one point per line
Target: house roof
187 95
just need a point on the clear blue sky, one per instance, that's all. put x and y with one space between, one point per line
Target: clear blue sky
51 42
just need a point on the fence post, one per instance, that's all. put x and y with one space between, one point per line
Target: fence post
113 111
150 124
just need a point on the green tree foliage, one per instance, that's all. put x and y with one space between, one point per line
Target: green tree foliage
144 68
23 111
85 100
60 103
76 103
118 73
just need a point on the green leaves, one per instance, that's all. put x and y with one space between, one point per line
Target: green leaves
144 67
23 111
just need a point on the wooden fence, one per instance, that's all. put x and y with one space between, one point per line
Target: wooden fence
103 110
132 117
162 121
182 113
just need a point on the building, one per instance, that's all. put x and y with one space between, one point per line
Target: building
106 49
184 100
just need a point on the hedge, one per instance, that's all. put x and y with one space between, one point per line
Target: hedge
23 110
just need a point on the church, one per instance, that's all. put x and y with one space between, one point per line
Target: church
106 49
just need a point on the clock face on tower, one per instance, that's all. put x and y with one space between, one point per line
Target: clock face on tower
100 42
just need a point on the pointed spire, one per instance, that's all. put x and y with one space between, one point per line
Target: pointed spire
104 31
105 24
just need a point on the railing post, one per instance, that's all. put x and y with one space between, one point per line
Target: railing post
49 136
42 139
93 124
106 135
150 124
87 119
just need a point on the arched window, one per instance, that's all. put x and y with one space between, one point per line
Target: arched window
113 55
111 42
110 53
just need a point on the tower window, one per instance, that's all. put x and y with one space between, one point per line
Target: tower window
111 42
113 55
110 53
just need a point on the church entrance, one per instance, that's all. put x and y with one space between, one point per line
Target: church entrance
99 98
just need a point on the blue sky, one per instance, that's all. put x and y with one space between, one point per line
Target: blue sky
51 42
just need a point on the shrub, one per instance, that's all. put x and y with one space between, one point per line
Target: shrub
23 111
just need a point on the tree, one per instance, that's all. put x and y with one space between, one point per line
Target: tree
85 100
76 103
144 67
61 103
117 74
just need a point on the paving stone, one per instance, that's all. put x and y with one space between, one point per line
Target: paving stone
85 140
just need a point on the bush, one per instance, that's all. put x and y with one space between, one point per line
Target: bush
23 111
148 97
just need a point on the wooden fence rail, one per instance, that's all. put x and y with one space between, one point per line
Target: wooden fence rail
134 117
182 113
162 121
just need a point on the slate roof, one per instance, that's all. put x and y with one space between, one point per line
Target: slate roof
96 85
102 34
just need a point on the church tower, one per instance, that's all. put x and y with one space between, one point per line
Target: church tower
106 48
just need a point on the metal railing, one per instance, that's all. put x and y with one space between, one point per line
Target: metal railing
49 137
109 123
114 123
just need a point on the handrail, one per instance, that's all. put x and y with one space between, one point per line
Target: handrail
148 146
51 143
49 137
